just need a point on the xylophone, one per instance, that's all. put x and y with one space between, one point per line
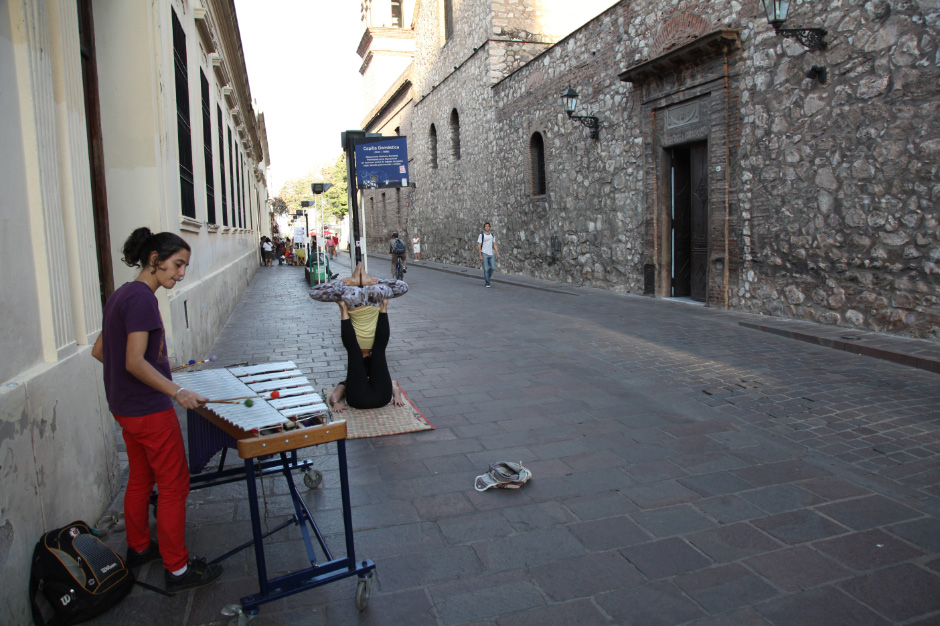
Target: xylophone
298 405
280 427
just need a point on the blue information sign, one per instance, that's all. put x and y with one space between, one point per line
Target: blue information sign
382 162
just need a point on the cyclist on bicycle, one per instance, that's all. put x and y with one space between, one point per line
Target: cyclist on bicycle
396 247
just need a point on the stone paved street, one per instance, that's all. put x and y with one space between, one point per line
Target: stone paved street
687 469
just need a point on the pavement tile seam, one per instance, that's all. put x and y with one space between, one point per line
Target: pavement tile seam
859 405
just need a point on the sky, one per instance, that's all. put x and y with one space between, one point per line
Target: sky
304 75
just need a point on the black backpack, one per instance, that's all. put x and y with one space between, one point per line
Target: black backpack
79 575
399 246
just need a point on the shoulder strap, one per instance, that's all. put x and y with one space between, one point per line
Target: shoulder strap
38 619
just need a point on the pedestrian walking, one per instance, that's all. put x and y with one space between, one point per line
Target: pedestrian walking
416 246
140 392
489 252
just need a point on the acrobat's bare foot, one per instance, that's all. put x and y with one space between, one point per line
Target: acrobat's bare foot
397 398
337 405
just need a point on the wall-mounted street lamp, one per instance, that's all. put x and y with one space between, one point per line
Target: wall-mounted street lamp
811 38
570 99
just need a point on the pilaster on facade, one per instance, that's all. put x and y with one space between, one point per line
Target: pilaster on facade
41 146
77 210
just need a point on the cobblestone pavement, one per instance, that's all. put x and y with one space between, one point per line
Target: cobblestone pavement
686 469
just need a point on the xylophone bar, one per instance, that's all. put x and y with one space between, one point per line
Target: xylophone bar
250 370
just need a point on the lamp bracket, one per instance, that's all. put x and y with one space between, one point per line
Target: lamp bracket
811 38
588 121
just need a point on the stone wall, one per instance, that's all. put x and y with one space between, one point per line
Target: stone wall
840 188
586 228
822 197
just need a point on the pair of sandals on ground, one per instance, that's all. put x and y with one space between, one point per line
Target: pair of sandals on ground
503 475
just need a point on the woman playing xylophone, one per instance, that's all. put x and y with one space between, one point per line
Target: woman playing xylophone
140 392
363 306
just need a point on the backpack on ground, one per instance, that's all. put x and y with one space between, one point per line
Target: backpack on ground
79 575
398 246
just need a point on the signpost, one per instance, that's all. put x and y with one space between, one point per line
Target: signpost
382 163
373 162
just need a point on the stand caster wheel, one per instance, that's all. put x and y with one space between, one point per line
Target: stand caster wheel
312 478
362 593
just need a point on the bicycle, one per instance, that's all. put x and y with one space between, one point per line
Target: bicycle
399 269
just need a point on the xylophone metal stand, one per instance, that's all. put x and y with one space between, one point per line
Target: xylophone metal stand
318 573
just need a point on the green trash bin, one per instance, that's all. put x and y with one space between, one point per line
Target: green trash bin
318 268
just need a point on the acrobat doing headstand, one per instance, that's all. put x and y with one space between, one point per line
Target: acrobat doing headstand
363 313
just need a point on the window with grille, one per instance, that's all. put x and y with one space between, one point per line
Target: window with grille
455 135
222 167
184 135
207 147
238 188
537 164
241 190
231 177
432 141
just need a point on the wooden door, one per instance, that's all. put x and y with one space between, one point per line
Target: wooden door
689 188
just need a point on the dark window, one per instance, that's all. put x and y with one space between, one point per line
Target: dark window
537 164
448 19
432 140
396 14
184 135
238 188
207 148
231 177
222 168
241 188
455 135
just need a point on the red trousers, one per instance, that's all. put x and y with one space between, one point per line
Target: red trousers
156 456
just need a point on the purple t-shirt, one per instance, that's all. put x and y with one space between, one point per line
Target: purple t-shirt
133 308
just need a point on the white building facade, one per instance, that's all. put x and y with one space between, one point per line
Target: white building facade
116 115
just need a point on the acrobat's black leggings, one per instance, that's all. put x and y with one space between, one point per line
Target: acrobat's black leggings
368 383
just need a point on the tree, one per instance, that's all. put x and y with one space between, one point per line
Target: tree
335 203
279 206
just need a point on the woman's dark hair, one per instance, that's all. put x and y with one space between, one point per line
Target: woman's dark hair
142 243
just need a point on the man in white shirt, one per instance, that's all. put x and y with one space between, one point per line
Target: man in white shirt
416 246
489 252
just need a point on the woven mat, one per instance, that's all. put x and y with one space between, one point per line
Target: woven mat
387 420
